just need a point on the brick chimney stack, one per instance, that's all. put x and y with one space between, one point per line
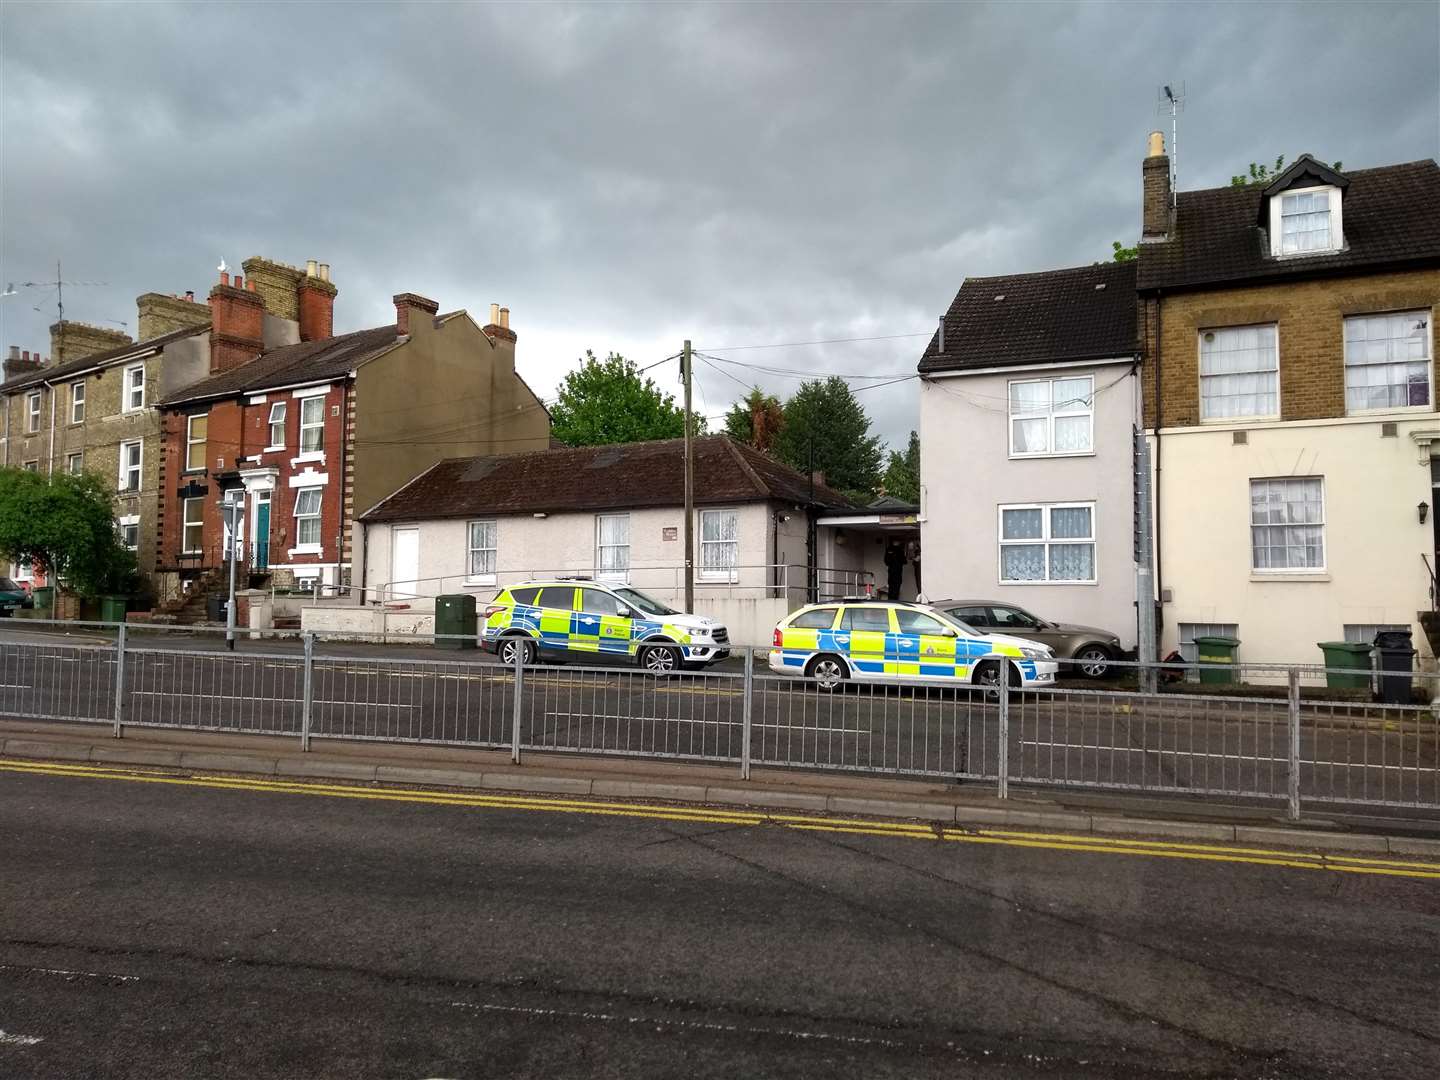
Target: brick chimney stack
316 302
18 363
75 340
237 324
408 306
498 327
161 314
1158 200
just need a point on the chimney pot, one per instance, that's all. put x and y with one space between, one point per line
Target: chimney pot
941 349
311 268
224 277
14 352
239 281
494 314
190 295
1157 144
324 271
25 356
505 318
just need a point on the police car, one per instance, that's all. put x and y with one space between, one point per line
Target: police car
577 616
872 640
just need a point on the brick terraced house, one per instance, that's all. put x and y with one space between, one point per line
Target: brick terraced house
1290 399
309 430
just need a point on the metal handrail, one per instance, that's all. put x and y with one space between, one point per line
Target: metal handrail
1431 571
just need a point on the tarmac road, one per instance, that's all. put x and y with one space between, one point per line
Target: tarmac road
232 929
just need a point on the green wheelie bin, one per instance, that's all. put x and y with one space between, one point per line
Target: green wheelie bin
1353 660
1217 655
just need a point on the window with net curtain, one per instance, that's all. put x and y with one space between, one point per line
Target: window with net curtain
1052 416
480 550
1048 543
1305 222
307 516
1239 372
612 546
1287 523
1387 361
719 544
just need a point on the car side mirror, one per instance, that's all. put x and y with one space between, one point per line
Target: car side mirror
949 631
626 613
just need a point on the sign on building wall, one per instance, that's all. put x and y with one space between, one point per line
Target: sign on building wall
670 532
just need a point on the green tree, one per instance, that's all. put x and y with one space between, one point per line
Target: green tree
756 420
1123 253
1262 174
610 401
66 523
825 428
902 472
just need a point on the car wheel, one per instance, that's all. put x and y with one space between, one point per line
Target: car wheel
1094 661
659 659
827 671
987 677
512 647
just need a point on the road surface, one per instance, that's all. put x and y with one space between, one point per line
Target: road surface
243 929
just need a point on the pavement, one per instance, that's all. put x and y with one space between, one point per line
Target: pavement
1355 754
176 924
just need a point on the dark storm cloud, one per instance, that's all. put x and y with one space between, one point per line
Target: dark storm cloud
624 177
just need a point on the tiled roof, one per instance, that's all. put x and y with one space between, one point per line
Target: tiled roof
58 372
308 361
1084 313
592 478
1391 218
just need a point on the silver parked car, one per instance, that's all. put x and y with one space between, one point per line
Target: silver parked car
1091 648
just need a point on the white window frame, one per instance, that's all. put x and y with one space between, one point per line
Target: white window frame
1045 540
471 550
1286 571
619 575
77 402
198 524
303 546
129 521
32 412
138 468
1049 416
23 571
1201 376
132 397
191 442
317 451
1337 221
273 422
1428 360
75 462
732 574
31 466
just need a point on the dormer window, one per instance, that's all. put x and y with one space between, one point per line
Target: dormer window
1304 209
1305 220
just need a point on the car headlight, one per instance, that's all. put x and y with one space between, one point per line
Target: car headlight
1036 654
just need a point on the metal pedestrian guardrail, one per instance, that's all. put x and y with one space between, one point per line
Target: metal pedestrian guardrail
1278 738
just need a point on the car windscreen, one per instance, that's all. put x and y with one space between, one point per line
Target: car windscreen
945 616
648 604
8 585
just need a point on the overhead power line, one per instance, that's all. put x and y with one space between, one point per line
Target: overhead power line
825 341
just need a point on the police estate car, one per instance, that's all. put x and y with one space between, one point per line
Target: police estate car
874 640
577 616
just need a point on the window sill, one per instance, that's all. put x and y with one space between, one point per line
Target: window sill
272 449
1283 577
1089 584
480 582
306 549
308 455
1236 421
1403 410
1043 457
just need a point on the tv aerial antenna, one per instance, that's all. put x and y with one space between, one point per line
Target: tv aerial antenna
57 285
1171 99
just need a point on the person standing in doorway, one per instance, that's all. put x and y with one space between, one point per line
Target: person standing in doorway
912 551
895 566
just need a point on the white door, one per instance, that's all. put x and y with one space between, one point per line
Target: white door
404 563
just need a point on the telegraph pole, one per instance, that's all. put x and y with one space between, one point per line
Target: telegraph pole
685 364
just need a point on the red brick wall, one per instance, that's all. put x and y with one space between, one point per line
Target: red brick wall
237 435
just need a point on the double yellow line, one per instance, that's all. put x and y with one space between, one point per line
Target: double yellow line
1295 860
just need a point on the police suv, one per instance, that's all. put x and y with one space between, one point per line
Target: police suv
874 640
578 616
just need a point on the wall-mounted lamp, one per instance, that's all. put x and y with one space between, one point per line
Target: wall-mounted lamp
1423 510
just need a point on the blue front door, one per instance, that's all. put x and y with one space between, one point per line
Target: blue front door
262 536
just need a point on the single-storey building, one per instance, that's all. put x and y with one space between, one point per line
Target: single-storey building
614 513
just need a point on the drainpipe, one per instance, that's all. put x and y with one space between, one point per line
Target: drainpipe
344 446
1159 574
50 467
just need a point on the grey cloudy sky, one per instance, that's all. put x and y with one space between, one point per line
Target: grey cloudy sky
625 176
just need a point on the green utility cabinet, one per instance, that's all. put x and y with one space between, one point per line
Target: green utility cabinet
455 614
